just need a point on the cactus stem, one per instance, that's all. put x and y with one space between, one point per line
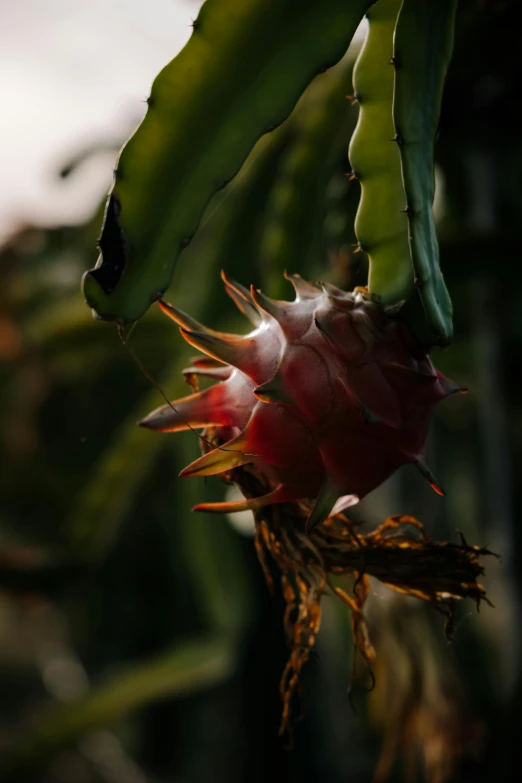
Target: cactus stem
240 62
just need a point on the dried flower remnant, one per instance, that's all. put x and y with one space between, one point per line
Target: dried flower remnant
398 553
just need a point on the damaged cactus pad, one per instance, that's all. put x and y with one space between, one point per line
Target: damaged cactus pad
326 397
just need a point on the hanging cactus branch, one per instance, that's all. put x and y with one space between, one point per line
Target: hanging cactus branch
380 224
239 76
423 45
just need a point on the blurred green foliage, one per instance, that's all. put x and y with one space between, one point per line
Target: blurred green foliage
122 609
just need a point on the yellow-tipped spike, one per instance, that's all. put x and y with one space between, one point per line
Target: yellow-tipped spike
274 308
337 296
229 349
278 495
242 299
232 455
189 323
450 387
206 363
428 475
196 410
303 289
220 372
179 317
272 391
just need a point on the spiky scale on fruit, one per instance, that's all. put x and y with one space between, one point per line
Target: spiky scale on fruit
326 397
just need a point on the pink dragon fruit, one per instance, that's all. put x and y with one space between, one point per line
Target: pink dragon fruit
326 397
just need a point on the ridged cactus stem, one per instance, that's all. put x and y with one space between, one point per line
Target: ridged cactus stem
239 76
423 45
381 225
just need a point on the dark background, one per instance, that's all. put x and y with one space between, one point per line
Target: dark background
138 641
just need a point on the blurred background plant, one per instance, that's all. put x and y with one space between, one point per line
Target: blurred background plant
138 641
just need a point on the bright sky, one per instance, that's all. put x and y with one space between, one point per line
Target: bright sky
71 73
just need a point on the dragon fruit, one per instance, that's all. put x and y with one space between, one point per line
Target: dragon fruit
326 397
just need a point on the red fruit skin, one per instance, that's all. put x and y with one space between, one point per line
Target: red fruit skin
327 396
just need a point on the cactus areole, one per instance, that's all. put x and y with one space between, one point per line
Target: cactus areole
326 397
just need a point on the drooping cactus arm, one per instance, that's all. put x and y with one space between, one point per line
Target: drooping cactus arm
240 75
380 225
423 45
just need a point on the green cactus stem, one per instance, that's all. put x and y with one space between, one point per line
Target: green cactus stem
380 225
238 77
423 45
